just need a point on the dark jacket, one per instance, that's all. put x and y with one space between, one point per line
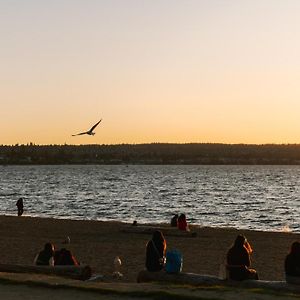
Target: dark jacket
154 256
43 258
292 265
65 257
238 261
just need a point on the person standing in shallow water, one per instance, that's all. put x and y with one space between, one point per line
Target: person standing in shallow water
20 206
292 262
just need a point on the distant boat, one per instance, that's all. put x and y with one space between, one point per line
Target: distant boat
89 132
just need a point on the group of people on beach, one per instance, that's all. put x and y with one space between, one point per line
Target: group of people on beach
180 222
238 260
51 257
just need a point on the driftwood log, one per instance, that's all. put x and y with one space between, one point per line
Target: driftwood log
167 231
208 280
74 272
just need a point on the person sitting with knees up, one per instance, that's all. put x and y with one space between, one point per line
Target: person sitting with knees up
238 260
155 252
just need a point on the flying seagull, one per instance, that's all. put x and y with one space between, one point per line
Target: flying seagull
89 132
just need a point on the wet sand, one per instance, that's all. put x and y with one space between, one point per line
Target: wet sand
97 244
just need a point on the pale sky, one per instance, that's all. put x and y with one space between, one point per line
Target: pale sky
220 71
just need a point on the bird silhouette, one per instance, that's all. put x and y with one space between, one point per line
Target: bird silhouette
89 132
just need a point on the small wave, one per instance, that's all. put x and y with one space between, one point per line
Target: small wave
162 191
208 213
219 197
112 179
9 194
286 228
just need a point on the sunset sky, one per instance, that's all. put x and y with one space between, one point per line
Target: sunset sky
224 71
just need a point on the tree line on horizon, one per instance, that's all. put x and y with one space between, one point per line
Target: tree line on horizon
155 153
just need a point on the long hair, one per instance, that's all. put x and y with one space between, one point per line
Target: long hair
159 239
239 241
182 217
49 249
295 249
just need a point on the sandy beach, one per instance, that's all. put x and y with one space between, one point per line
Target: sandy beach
97 244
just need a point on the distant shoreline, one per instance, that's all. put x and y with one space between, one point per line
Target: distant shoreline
151 154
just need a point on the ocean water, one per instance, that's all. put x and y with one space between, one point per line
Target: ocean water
248 197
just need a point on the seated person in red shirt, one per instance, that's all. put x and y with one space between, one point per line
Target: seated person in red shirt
65 257
182 224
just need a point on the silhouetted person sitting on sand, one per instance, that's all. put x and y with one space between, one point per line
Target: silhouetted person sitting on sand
182 224
238 260
20 206
174 220
65 257
155 252
292 262
45 257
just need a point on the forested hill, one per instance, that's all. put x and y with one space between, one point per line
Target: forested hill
155 153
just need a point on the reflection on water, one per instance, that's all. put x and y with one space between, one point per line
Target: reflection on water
253 197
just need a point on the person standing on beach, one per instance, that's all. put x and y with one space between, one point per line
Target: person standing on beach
20 206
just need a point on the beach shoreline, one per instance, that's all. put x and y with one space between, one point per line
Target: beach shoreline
97 243
283 229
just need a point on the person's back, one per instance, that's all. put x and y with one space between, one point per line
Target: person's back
238 260
292 261
238 257
155 252
64 257
174 221
45 257
181 223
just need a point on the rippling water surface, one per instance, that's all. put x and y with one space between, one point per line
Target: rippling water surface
253 197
